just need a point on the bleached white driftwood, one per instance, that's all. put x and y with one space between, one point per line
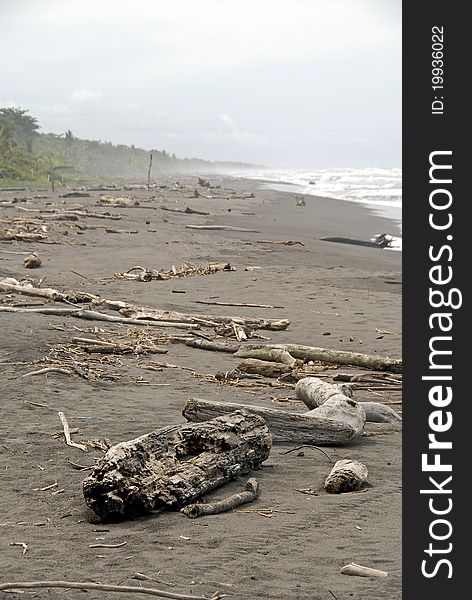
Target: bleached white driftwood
328 401
314 392
67 437
266 353
361 571
346 476
376 412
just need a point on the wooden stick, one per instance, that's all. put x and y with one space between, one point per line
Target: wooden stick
149 172
48 370
69 442
108 545
92 315
248 304
283 242
221 228
102 587
249 494
186 211
355 569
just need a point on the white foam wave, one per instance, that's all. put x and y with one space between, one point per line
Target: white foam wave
378 188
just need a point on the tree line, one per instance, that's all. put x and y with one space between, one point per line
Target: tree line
28 155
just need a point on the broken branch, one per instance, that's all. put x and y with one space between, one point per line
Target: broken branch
69 442
102 587
249 494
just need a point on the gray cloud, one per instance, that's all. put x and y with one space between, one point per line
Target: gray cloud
308 83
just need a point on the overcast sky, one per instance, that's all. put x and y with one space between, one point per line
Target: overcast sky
285 83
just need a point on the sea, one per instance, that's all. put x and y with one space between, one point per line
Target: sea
380 189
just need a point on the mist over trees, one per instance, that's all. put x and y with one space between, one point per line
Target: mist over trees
28 155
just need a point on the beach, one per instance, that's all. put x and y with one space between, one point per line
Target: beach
289 542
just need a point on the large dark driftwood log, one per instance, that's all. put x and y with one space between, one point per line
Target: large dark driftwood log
306 428
172 467
339 357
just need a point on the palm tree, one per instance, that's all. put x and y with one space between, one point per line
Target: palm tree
24 126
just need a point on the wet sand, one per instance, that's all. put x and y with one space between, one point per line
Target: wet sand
336 296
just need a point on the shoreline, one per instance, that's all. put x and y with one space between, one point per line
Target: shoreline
336 296
388 209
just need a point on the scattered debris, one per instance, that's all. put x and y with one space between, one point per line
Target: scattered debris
186 270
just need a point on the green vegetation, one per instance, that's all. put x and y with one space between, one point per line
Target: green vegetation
27 155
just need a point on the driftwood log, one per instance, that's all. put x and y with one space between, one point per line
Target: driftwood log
221 228
376 412
346 476
131 311
328 401
211 345
209 320
249 494
266 353
174 466
14 586
361 571
306 428
313 392
263 367
339 357
92 315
